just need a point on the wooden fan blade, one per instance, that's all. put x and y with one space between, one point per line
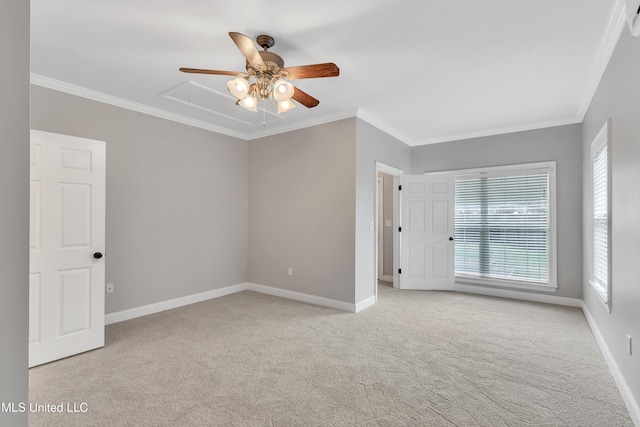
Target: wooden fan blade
328 69
304 98
218 72
248 49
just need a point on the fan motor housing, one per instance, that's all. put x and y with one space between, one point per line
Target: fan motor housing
272 61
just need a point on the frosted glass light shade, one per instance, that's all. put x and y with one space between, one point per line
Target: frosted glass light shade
285 105
239 87
249 102
282 90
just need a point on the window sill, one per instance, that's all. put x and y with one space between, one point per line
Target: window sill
601 292
477 281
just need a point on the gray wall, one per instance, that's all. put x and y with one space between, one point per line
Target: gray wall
618 98
301 210
561 144
387 214
372 145
14 206
176 199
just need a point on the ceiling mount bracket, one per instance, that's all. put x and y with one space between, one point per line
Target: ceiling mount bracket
265 41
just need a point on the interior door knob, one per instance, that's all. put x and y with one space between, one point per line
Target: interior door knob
97 255
451 238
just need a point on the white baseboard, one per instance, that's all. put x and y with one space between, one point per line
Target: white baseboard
526 296
387 278
121 316
298 296
627 396
365 303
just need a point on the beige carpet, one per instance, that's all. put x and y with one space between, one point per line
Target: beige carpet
413 359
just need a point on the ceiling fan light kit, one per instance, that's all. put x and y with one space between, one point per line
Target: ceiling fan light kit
267 78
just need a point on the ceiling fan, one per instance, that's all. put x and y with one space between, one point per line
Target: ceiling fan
267 78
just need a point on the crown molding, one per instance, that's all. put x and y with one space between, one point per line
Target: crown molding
71 89
461 136
314 121
384 127
502 131
615 26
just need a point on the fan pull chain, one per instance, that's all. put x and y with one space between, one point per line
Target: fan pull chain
264 112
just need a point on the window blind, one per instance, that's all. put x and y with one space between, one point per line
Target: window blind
600 217
502 226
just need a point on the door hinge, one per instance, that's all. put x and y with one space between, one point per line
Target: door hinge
400 187
399 271
400 229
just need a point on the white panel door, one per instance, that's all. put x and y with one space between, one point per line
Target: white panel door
66 239
427 249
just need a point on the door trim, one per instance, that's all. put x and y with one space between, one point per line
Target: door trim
380 227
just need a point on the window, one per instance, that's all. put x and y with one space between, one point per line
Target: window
600 280
504 226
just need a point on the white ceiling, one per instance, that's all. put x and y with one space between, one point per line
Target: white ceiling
423 71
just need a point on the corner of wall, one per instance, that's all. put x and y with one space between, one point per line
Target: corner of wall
372 145
301 195
14 222
616 100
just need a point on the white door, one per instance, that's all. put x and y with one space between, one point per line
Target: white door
67 238
427 247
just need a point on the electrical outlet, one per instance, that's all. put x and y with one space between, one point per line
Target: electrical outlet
629 344
109 288
290 271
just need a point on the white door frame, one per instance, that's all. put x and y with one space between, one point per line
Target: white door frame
395 172
380 224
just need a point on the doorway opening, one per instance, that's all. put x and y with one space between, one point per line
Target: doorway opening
387 220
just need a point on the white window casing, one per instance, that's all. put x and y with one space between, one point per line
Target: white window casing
600 277
505 226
